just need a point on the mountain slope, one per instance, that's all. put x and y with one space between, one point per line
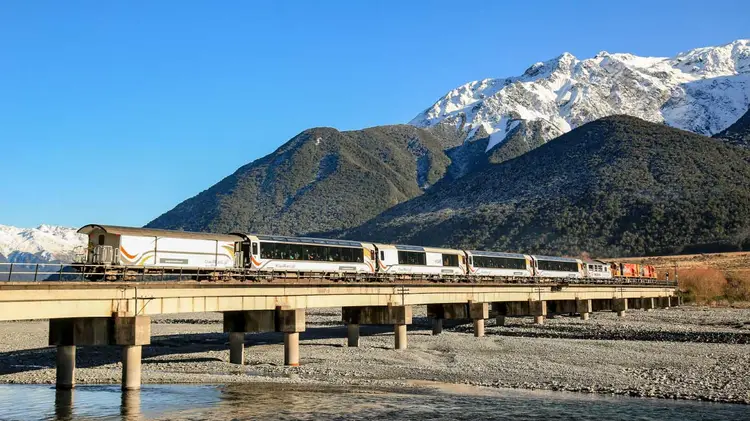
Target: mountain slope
322 179
616 186
739 132
703 90
46 243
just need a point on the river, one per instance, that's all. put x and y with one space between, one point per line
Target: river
292 401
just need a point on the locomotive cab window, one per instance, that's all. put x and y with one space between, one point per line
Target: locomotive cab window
101 240
382 255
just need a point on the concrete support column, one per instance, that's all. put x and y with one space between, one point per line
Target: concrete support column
291 322
65 367
478 328
648 304
538 309
437 326
291 348
478 312
398 316
584 308
620 305
400 333
237 348
500 320
131 367
353 334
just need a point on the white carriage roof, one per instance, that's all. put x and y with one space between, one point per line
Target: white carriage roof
403 247
497 254
304 240
555 259
149 232
593 262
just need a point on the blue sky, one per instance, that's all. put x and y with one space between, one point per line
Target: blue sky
114 112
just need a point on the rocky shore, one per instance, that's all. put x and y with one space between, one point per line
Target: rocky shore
680 353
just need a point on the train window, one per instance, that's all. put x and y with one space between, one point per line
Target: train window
101 240
255 249
557 266
499 262
412 258
450 260
382 255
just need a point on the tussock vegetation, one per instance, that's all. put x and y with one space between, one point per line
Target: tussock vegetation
713 287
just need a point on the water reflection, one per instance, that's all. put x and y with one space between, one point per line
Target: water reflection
64 404
305 401
130 406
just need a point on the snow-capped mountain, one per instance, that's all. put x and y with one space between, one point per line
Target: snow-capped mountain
45 243
704 90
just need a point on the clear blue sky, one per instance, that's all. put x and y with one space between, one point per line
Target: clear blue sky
114 112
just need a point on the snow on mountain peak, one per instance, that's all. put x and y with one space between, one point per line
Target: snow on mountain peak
46 243
703 90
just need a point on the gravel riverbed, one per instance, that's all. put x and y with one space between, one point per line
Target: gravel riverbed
680 353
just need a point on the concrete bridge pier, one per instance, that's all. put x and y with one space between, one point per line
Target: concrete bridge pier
65 367
131 367
352 330
584 308
398 316
647 304
126 331
620 305
500 320
538 309
237 323
291 322
478 312
437 326
237 348
132 333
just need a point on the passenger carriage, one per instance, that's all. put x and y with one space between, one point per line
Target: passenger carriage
408 261
304 255
115 249
494 264
557 267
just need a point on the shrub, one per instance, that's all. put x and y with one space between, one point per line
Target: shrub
737 287
702 285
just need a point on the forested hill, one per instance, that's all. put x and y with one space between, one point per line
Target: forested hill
739 132
321 179
613 187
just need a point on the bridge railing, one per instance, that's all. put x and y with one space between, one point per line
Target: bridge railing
80 272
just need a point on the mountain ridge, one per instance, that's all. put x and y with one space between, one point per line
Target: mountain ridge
616 186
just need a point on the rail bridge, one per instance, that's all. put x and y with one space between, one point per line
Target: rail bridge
118 313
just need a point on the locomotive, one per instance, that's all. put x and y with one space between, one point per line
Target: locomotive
119 251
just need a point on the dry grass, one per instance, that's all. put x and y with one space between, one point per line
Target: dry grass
702 285
711 286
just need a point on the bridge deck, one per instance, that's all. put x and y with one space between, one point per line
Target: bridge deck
43 300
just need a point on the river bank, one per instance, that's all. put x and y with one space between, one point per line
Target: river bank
695 353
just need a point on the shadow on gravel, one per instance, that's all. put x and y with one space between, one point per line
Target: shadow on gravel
623 334
89 357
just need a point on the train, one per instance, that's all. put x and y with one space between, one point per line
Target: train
116 251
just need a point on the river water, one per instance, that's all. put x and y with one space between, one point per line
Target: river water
279 401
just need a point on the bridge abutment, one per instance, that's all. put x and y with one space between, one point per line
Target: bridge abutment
398 316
